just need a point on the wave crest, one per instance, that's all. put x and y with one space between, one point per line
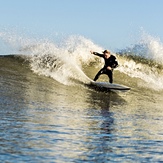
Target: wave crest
144 61
62 62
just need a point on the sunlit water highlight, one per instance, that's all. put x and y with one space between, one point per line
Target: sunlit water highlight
49 113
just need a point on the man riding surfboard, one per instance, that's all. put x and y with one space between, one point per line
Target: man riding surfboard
110 64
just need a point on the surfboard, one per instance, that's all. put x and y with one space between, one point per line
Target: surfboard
109 86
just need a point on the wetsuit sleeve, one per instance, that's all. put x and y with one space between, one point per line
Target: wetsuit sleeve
98 54
115 63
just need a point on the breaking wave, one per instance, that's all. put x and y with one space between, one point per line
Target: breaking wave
144 60
65 61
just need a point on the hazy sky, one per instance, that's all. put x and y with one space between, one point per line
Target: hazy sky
109 23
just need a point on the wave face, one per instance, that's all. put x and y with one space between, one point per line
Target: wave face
68 60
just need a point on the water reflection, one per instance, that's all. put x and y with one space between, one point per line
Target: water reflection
100 136
53 126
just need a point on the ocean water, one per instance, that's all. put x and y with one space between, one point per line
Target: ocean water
50 113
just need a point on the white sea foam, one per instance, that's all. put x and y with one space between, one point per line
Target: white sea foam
154 47
151 49
62 62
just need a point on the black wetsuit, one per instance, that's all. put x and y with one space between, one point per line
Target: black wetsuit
111 62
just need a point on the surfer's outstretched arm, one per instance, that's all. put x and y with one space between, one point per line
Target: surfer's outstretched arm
98 54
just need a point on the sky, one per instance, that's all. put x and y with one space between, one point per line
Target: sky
112 24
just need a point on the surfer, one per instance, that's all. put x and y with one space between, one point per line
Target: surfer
110 64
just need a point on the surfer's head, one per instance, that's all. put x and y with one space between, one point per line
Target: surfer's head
106 53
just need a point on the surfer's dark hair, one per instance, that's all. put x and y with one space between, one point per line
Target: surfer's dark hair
106 51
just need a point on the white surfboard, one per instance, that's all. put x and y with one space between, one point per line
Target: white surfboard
109 86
